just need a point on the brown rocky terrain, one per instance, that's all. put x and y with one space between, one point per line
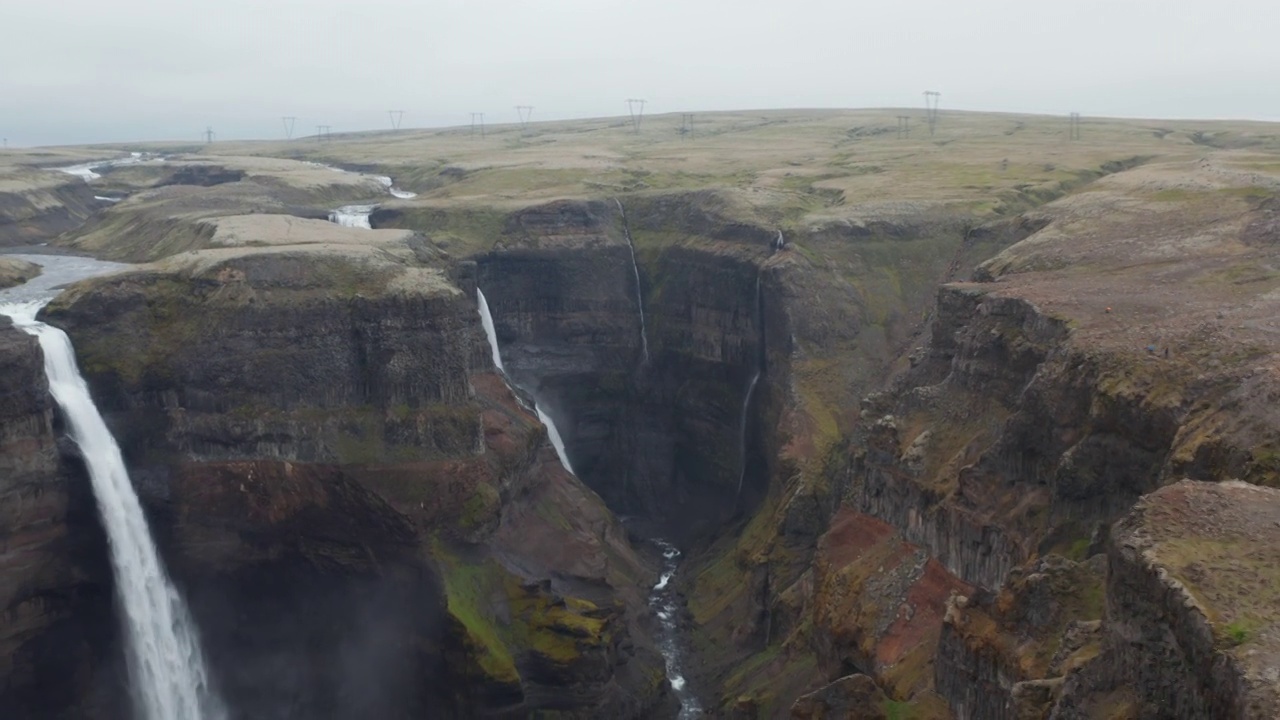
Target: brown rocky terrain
15 272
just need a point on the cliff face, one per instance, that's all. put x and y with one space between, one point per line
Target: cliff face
312 430
650 410
1191 619
1045 403
38 205
55 592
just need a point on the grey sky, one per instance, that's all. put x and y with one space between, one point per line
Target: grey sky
117 70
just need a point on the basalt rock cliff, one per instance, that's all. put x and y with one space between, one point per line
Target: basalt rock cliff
362 516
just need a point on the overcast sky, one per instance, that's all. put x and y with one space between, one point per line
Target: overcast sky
75 71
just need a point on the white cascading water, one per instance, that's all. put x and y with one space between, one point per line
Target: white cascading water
635 269
166 665
491 334
88 171
353 216
665 602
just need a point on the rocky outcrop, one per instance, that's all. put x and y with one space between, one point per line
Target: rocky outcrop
878 603
319 430
853 697
1003 655
1191 622
58 640
15 272
290 356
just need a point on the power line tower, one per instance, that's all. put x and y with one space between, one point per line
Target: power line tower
635 106
904 127
477 123
1075 126
288 121
525 112
931 109
397 117
208 135
323 134
686 125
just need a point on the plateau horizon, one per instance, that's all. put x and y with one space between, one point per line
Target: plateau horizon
55 134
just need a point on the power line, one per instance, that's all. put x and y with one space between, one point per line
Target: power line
686 125
322 133
525 112
288 121
904 127
208 134
397 117
1075 126
931 109
477 122
636 114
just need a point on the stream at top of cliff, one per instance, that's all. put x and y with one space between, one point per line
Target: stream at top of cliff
357 216
89 171
165 662
353 216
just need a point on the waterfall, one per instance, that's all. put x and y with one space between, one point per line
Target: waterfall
353 216
635 270
554 435
166 665
751 387
742 431
396 192
491 334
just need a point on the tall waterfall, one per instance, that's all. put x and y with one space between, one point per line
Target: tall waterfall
166 665
751 389
742 431
635 269
491 334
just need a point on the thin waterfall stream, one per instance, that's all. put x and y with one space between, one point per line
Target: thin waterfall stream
751 391
491 334
635 269
166 665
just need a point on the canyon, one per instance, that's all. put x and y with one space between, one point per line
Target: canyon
851 426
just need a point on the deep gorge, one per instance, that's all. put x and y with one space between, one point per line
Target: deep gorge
914 466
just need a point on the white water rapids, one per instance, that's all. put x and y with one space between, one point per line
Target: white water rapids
166 665
89 171
491 334
664 601
353 216
357 216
